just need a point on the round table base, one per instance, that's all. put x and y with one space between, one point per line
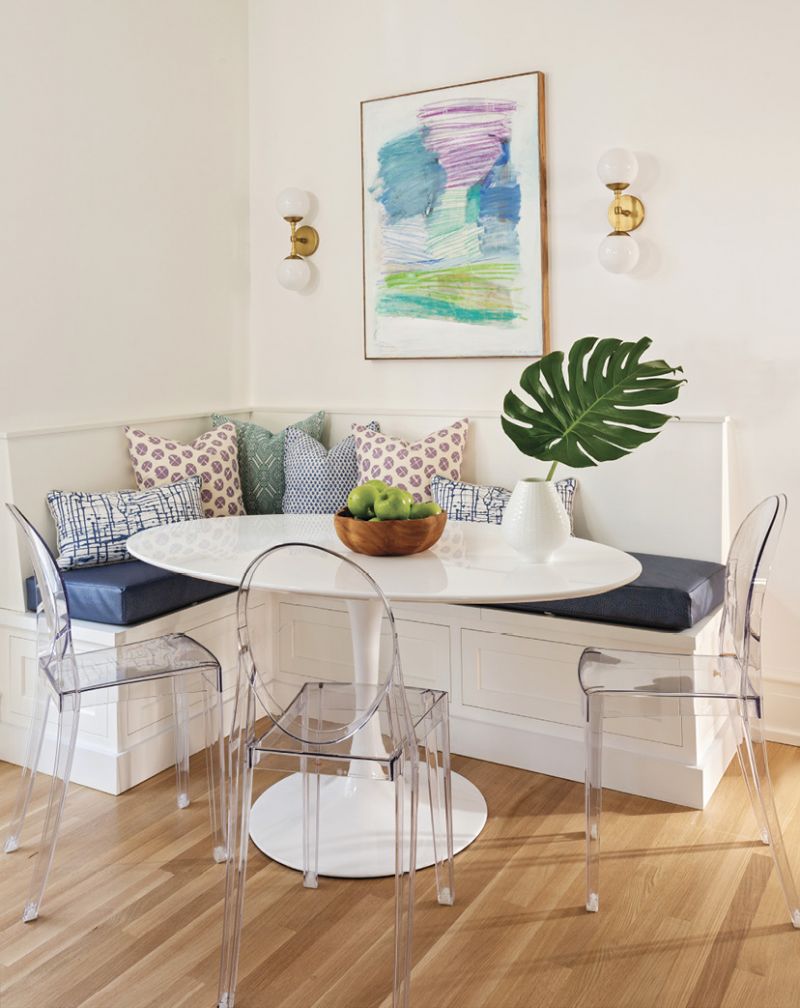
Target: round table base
356 827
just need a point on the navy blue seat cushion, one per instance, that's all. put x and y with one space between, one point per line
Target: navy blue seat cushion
671 593
125 593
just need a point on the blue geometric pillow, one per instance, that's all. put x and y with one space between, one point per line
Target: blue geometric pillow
468 502
94 528
318 480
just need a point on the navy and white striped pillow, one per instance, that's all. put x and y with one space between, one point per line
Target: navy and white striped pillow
318 480
93 528
468 502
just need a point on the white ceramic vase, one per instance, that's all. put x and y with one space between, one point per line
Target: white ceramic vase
535 522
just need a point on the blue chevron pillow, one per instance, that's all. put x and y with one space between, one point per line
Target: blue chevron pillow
318 480
468 502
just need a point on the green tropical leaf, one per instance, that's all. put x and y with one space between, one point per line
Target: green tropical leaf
594 414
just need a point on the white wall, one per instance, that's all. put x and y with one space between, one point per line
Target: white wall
705 93
123 208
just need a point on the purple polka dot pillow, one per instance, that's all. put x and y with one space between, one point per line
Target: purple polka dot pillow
158 461
411 464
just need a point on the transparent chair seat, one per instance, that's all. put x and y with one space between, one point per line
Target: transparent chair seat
630 684
175 667
158 658
338 703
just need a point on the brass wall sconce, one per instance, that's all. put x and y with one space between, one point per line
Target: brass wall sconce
619 251
294 272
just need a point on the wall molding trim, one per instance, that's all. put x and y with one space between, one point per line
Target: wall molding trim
472 414
34 432
782 708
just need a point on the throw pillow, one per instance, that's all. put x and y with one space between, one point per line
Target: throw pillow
158 461
411 464
318 480
468 502
261 460
93 528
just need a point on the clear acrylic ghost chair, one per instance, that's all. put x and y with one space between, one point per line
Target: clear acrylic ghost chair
726 685
366 726
174 666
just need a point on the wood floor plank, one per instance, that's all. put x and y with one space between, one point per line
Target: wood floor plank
721 962
691 913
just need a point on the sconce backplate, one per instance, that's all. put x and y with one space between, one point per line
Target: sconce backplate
626 213
306 240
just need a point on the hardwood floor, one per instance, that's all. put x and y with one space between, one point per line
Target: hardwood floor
692 915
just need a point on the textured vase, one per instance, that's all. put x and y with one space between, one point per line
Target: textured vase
534 521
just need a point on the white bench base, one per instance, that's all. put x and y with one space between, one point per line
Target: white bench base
512 679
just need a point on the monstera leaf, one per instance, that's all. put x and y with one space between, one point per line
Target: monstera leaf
595 414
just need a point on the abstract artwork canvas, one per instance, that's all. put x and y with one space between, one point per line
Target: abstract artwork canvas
454 212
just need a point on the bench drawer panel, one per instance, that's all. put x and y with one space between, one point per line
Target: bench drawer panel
539 679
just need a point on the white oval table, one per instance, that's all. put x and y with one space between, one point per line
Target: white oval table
471 564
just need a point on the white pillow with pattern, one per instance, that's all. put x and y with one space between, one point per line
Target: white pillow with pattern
474 503
411 465
159 461
94 528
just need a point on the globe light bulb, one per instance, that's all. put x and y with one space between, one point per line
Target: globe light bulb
618 252
617 167
294 273
293 204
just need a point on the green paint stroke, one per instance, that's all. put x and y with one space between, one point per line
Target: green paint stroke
472 210
481 293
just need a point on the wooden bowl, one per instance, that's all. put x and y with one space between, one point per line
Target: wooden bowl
389 538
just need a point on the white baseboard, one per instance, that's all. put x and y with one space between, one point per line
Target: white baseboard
101 768
782 708
563 755
93 766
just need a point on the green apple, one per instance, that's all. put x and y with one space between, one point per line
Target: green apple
379 485
361 501
392 506
373 519
425 510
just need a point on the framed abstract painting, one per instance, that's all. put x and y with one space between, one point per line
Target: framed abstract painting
455 221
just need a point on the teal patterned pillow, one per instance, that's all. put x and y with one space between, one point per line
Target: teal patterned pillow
261 460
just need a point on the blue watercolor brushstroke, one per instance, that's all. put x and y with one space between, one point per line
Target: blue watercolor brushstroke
499 241
499 201
410 178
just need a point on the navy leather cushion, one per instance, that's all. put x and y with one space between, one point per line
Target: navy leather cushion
671 593
125 593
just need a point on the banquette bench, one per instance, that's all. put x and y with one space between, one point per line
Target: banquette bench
511 671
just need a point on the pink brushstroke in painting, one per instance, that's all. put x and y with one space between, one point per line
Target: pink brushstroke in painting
467 136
